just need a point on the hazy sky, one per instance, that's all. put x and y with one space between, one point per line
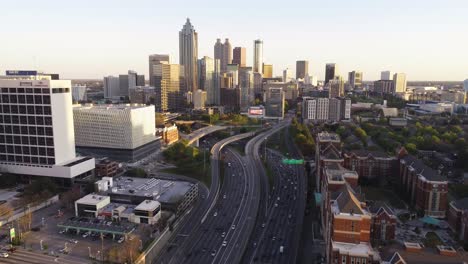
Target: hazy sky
427 39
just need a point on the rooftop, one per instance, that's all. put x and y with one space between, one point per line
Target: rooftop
325 136
148 205
361 249
108 107
367 153
164 191
92 199
461 204
423 169
347 202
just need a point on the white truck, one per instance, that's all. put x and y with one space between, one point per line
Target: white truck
281 249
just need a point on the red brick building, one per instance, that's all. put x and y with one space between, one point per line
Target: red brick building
383 224
106 168
458 218
423 187
372 166
327 152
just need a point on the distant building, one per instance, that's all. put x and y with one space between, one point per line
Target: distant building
239 56
79 93
331 71
90 205
111 87
457 218
287 75
302 69
423 187
120 132
274 103
465 89
156 59
258 84
325 109
246 86
267 70
355 79
188 55
399 82
372 165
209 80
258 56
382 87
129 81
336 87
168 133
223 53
230 99
199 99
142 95
169 84
386 75
383 224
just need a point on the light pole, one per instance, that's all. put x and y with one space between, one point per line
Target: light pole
42 247
266 138
89 250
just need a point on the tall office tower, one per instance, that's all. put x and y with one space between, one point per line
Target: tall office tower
153 60
267 70
111 87
227 52
246 86
382 87
140 81
287 75
188 55
386 75
239 56
206 78
331 70
258 56
465 88
36 123
217 83
169 84
258 84
355 79
302 69
336 87
274 102
310 79
223 53
399 82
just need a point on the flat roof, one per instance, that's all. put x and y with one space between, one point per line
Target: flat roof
325 136
109 107
361 249
148 205
161 190
92 199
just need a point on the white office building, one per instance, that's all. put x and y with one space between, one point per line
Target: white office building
36 128
325 109
386 75
122 132
399 82
199 99
79 93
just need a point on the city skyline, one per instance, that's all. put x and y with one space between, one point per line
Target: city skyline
425 43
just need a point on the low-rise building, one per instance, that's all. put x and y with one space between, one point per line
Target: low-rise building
90 205
457 214
373 166
147 212
383 224
169 134
316 109
106 167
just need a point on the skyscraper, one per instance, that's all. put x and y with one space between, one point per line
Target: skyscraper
302 69
336 87
111 87
399 82
331 71
153 60
207 77
258 56
223 53
355 79
287 75
169 86
246 86
386 75
239 56
188 54
267 70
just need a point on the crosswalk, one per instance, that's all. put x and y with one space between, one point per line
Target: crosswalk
28 257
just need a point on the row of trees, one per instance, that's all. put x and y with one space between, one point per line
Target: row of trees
302 138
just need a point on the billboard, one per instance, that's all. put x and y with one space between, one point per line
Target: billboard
256 111
21 73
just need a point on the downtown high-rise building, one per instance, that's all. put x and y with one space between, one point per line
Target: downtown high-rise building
267 70
239 56
287 75
331 71
169 84
36 128
129 81
399 82
188 55
111 87
153 60
355 79
336 87
208 71
246 86
302 69
465 89
223 53
386 75
258 56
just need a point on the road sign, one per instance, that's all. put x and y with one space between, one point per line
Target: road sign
12 234
293 161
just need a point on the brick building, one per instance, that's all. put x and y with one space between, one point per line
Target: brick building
423 187
458 218
327 152
383 224
169 134
372 166
106 168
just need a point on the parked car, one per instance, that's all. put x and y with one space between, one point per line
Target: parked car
4 255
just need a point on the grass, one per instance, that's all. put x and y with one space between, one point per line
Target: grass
432 240
381 194
194 171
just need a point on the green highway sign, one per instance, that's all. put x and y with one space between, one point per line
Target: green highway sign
293 161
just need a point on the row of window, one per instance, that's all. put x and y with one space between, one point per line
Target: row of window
25 140
26 109
25 120
26 150
27 130
25 99
27 159
35 90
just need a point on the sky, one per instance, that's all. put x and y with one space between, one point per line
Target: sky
426 39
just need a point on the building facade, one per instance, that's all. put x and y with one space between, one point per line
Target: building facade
382 87
169 84
239 56
336 87
168 133
399 82
111 87
373 166
36 129
223 53
355 79
155 59
258 56
274 103
302 69
267 70
318 109
79 93
188 55
331 71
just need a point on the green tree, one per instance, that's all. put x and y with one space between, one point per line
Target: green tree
411 148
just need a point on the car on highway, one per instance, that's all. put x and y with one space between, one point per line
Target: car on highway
233 227
85 235
213 253
121 240
62 231
74 241
4 255
263 225
223 234
224 243
224 196
215 214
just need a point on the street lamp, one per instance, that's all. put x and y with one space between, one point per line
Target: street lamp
266 138
89 250
42 248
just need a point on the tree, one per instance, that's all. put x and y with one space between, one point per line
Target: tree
137 173
159 119
6 211
131 247
68 198
411 148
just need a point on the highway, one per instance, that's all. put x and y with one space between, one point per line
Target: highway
186 234
199 133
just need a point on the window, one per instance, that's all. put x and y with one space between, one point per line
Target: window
343 259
